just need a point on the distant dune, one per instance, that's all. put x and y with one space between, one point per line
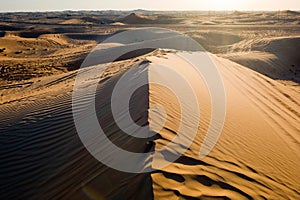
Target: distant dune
75 21
275 57
290 12
134 18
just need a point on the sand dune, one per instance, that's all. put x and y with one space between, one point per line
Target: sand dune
75 21
215 38
86 21
271 53
48 54
275 57
134 18
290 12
256 157
117 24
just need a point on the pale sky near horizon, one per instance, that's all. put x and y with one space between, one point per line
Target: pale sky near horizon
40 5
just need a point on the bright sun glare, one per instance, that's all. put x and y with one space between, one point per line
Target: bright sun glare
225 4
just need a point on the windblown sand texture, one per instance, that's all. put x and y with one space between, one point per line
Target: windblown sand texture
256 157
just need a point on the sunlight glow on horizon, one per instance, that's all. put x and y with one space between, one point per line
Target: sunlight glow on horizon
225 5
37 5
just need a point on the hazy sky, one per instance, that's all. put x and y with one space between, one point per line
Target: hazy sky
40 5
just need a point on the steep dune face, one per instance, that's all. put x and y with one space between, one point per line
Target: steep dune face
257 154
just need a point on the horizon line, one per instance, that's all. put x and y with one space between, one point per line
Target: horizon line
150 10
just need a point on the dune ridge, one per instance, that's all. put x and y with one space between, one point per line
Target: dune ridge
262 123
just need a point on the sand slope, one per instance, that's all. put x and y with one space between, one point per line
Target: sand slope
276 57
257 154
